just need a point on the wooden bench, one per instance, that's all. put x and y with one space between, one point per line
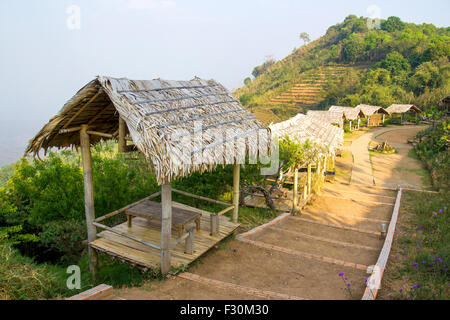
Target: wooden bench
152 211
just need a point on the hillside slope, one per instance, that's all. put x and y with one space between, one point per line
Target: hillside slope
351 64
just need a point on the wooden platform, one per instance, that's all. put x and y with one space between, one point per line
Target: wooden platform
141 255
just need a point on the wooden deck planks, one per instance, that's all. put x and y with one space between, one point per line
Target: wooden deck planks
139 254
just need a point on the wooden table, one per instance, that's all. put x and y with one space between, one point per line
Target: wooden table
152 211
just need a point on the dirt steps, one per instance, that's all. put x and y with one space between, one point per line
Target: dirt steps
322 248
280 272
332 233
344 207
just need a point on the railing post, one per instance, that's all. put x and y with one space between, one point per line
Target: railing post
236 178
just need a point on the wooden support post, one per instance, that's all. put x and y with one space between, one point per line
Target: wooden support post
350 126
295 192
122 132
368 121
215 224
359 120
333 162
236 179
89 198
189 245
305 192
166 226
325 165
383 117
401 119
309 179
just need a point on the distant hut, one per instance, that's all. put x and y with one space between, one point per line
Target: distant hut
445 104
402 109
331 117
374 114
162 120
351 115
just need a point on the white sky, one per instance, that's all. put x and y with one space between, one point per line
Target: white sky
43 62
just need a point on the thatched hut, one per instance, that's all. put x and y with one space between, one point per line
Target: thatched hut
326 139
351 115
374 114
331 117
181 127
402 109
445 103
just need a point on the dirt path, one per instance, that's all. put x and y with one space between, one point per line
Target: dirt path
300 258
362 168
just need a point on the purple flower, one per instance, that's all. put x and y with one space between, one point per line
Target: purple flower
420 242
440 211
390 294
348 284
420 227
396 257
418 247
438 259
341 274
415 264
424 262
431 263
401 290
367 279
346 278
416 286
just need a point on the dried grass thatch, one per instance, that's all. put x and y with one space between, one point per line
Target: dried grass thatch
331 117
371 110
350 114
302 128
163 119
402 108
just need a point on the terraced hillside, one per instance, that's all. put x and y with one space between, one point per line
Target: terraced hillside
354 64
308 91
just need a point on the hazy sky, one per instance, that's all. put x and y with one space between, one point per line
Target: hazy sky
45 58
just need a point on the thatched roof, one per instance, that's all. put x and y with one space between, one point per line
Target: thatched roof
301 128
402 108
165 120
331 117
350 114
370 110
445 101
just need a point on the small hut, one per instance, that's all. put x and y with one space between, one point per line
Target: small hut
351 115
402 109
181 127
327 139
331 117
445 104
374 114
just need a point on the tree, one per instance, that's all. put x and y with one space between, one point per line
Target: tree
247 81
392 24
305 37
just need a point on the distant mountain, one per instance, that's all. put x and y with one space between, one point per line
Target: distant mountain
353 63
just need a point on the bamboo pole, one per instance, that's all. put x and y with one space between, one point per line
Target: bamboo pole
166 226
309 179
89 198
350 125
122 141
295 192
236 178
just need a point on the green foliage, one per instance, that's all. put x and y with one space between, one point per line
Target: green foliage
392 24
247 81
425 243
5 173
433 149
